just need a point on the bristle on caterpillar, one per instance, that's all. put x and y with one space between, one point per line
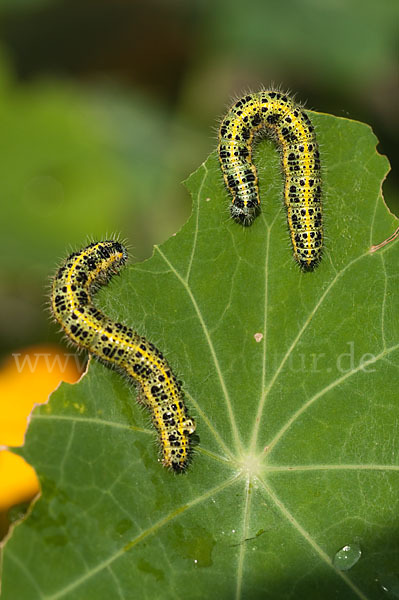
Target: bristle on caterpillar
290 126
119 346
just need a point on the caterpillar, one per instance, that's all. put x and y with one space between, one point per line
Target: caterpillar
290 126
119 346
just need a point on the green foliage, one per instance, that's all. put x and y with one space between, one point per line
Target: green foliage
75 164
59 178
298 453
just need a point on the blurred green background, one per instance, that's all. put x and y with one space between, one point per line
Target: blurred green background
107 105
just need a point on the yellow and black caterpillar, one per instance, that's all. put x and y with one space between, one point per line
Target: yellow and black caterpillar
119 346
294 133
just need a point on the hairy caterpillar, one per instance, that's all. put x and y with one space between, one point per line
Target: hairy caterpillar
293 131
119 346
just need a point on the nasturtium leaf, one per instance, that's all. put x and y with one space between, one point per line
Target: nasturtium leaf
292 378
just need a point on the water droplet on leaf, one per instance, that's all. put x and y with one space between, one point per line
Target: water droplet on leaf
390 585
347 557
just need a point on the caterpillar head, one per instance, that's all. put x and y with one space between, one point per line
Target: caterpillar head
244 213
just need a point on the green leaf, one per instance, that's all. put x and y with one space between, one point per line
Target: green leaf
298 452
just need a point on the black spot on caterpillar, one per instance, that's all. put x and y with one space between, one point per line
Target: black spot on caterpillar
294 133
119 346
